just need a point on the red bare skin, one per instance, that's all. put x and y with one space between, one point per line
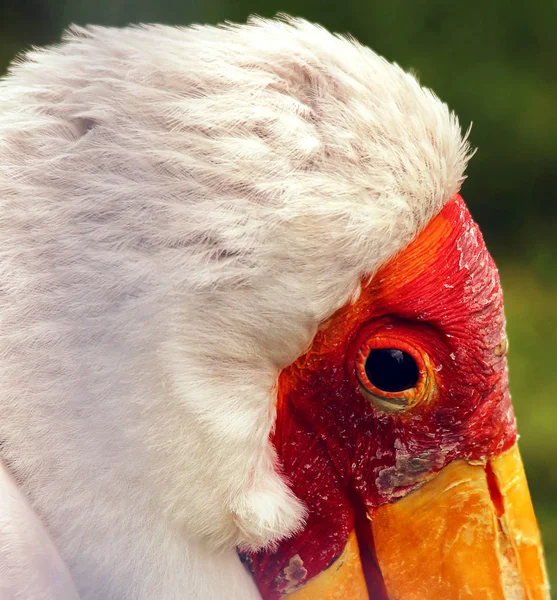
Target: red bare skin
442 296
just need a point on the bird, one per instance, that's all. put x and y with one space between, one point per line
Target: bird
253 343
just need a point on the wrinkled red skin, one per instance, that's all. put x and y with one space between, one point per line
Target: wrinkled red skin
442 294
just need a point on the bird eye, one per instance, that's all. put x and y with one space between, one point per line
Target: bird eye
391 370
394 375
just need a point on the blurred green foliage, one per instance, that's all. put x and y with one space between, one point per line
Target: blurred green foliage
494 62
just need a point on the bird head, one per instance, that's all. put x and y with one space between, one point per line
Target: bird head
247 308
395 426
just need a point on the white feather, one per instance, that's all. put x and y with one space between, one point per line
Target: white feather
30 566
181 209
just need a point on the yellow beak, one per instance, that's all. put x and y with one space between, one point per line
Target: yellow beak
470 532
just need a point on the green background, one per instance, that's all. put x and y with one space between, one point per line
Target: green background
494 62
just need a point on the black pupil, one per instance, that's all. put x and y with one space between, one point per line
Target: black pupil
392 370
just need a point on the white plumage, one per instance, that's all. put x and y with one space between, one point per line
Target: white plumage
181 209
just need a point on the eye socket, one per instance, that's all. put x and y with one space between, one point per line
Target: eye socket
391 370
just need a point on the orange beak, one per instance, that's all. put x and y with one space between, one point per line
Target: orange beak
470 532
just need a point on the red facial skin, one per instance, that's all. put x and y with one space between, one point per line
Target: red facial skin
441 297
